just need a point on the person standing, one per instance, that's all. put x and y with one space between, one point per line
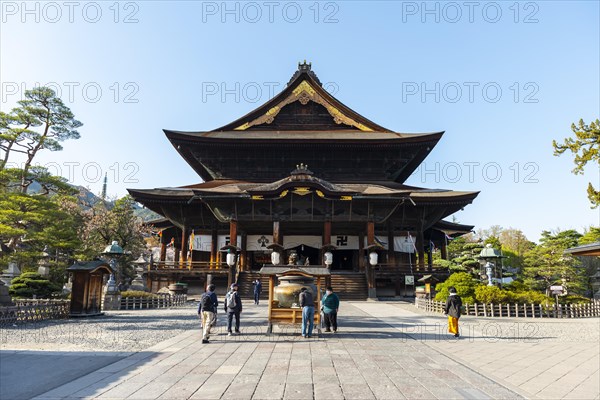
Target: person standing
308 312
330 305
257 291
233 308
453 310
207 309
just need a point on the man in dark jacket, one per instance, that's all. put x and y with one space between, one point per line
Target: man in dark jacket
453 310
330 305
207 310
257 290
308 311
233 308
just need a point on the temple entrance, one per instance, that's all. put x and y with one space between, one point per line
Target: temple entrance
343 260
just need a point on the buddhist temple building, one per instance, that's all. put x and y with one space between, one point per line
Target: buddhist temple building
303 174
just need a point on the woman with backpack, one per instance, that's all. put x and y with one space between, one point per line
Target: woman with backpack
233 308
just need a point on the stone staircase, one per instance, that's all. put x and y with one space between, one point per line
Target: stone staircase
246 288
349 286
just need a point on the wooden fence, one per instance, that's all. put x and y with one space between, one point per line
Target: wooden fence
159 301
34 310
587 310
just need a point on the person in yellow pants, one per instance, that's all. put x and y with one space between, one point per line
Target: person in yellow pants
453 310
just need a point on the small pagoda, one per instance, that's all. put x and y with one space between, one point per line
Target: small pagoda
302 172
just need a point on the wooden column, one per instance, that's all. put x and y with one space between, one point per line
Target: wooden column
327 232
243 254
361 252
391 250
232 241
444 249
214 252
276 233
370 233
420 250
163 251
184 246
429 258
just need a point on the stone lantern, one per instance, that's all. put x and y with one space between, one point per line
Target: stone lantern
491 264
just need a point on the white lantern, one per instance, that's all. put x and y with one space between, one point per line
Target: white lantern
328 258
373 258
230 259
275 258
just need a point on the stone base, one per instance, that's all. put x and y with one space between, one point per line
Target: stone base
372 294
112 302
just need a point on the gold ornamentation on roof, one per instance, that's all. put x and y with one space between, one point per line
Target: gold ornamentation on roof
283 194
258 197
319 193
302 191
345 198
304 93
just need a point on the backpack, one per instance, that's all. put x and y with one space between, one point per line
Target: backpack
231 300
206 303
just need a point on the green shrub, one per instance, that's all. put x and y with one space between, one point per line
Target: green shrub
26 285
491 294
136 293
463 282
573 299
529 297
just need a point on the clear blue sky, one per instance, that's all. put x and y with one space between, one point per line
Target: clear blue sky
501 78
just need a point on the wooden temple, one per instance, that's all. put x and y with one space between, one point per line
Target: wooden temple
303 171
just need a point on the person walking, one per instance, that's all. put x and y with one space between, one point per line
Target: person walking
257 291
308 312
330 304
233 308
207 310
453 310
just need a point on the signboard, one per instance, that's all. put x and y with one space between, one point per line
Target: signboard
556 288
409 280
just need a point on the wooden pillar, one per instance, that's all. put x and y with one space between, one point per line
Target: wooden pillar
243 254
214 252
163 251
276 233
327 232
361 252
233 232
370 233
429 258
184 246
444 249
420 250
391 259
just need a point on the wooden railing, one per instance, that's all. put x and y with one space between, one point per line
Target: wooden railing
30 310
189 265
157 301
587 310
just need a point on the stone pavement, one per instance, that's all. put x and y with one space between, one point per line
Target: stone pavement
382 351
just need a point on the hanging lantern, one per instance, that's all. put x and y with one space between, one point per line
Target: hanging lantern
275 258
373 258
328 259
230 259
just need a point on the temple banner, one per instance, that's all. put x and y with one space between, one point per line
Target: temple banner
344 242
290 242
204 242
258 242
